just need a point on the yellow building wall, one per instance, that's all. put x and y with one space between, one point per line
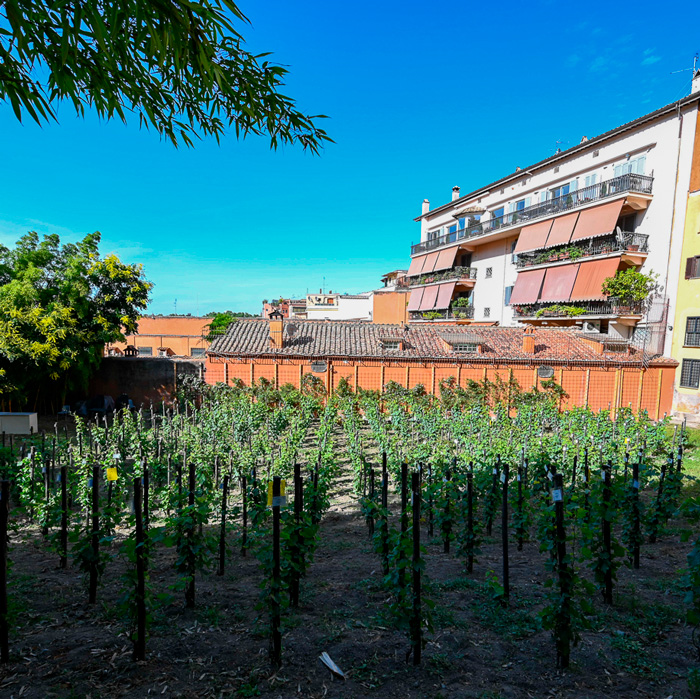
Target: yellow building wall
687 400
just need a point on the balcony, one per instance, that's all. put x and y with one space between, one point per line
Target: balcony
630 182
612 308
456 313
462 274
633 243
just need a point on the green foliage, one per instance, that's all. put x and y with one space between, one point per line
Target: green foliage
558 309
220 323
630 286
182 68
59 306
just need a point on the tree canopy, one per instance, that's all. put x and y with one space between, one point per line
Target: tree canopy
180 66
59 306
220 322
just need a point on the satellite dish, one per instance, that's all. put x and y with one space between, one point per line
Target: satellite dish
291 329
545 372
318 367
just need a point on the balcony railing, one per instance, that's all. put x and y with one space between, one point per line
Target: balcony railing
456 313
612 307
454 273
623 242
602 190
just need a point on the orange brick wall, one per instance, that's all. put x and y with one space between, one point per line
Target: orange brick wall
600 387
390 307
179 333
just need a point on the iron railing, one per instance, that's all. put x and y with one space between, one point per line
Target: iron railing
454 273
456 313
623 242
571 309
630 182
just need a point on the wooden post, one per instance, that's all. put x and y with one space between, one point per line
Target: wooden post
607 535
470 521
447 523
190 587
385 520
416 611
244 532
275 589
504 532
404 522
4 628
563 622
296 553
64 518
431 522
370 523
140 639
520 508
222 534
635 516
95 539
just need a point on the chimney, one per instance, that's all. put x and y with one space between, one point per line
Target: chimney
425 207
455 193
529 341
695 85
424 221
276 329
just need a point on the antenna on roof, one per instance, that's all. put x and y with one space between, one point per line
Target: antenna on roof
175 306
683 70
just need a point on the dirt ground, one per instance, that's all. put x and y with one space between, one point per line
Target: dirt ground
62 647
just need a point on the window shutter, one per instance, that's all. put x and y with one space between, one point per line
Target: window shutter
509 291
618 170
543 196
527 202
573 185
691 268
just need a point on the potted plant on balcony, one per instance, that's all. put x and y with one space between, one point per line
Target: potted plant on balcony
575 252
629 289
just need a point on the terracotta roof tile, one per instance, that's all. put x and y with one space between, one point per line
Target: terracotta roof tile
421 341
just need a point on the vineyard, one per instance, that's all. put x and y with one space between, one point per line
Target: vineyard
462 546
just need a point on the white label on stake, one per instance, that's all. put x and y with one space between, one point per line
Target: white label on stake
518 476
503 478
495 471
279 501
602 475
550 475
635 484
557 496
116 457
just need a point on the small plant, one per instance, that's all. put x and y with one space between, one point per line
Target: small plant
630 286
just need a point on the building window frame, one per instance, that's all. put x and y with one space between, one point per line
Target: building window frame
690 374
692 331
145 351
692 267
466 347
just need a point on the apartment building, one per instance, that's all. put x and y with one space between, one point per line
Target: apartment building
332 306
535 247
165 336
289 308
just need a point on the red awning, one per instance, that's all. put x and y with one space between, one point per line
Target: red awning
416 266
416 298
591 276
446 259
445 295
558 283
429 298
562 229
527 287
598 220
533 237
430 260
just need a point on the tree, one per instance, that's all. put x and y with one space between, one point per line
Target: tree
59 306
630 286
220 322
179 65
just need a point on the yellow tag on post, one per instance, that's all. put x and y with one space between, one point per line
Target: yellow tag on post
277 502
111 474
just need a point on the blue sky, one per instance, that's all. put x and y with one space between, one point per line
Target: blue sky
422 96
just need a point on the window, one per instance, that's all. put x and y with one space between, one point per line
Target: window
434 234
145 351
690 373
489 272
509 292
692 267
519 205
197 351
635 166
628 223
391 344
590 180
487 312
561 191
692 332
497 213
513 256
470 347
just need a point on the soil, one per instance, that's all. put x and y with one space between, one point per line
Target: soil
62 647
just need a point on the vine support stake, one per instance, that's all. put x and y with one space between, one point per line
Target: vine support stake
447 522
370 522
190 588
607 535
276 589
222 534
64 518
504 532
385 516
244 513
470 521
636 534
95 538
140 640
563 621
520 508
296 553
416 640
4 514
404 525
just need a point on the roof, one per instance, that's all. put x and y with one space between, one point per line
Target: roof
421 341
590 143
